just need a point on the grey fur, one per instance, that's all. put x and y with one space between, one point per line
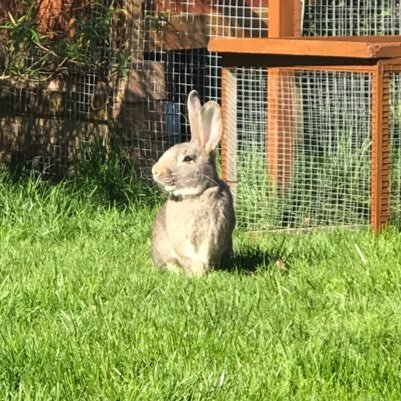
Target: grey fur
193 230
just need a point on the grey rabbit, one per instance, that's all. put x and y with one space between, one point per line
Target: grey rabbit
193 230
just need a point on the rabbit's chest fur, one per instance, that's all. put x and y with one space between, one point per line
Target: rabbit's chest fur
198 226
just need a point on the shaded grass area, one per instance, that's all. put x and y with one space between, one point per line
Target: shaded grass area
84 316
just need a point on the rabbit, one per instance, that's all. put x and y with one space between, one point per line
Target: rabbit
193 230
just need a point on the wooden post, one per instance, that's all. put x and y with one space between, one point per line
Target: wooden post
380 175
284 21
284 18
281 100
229 140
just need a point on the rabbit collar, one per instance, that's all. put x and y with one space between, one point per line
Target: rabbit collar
180 198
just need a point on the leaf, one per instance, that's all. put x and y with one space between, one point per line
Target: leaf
35 36
12 18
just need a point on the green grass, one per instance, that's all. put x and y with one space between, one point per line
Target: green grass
327 187
84 316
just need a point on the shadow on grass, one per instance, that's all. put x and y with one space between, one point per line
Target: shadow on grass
254 259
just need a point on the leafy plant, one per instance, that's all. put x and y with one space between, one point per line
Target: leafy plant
87 43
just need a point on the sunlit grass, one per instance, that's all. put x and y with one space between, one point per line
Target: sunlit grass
84 315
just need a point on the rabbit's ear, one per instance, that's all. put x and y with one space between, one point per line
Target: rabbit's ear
212 125
195 118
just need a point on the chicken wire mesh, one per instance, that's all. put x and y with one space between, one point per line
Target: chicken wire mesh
174 61
249 18
318 125
239 18
150 125
351 17
51 107
45 124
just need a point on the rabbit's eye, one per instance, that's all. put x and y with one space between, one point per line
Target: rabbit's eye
188 159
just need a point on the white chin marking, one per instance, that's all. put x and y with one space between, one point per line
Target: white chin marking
169 188
188 191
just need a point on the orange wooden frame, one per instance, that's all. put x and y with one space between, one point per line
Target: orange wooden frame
377 56
365 47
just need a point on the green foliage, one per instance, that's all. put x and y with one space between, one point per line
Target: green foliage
35 55
23 40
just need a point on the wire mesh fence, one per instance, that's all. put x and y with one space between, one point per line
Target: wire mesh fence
351 17
51 106
45 123
173 61
239 18
149 125
318 125
249 18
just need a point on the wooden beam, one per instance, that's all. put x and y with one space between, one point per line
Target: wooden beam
296 62
284 18
380 174
321 47
281 129
229 140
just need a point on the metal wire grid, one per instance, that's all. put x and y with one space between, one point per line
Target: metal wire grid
395 131
152 114
157 18
249 18
327 159
44 123
146 112
150 125
239 18
43 126
351 17
150 107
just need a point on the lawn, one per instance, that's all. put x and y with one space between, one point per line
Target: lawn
84 316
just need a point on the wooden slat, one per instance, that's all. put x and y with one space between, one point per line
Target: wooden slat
284 18
305 47
380 196
281 100
229 141
297 62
